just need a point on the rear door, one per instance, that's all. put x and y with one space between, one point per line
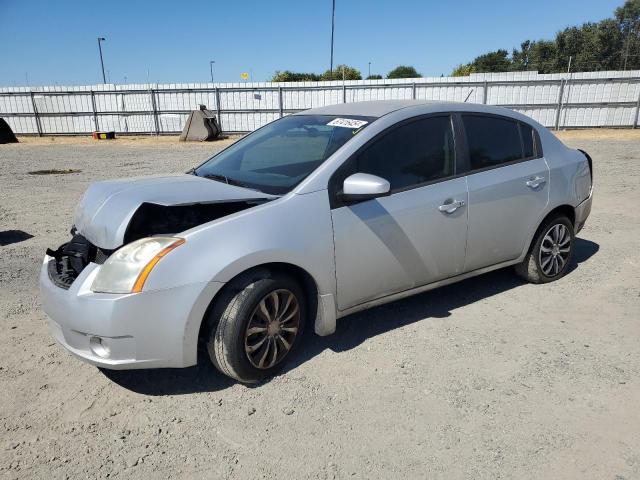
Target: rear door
414 236
508 181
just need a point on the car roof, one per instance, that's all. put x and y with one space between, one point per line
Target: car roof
379 108
374 108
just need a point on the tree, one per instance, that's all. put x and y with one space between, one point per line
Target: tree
520 59
628 16
340 72
628 19
463 70
542 56
610 44
288 76
374 77
403 71
497 61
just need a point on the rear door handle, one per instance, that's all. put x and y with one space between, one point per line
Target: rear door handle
451 207
535 182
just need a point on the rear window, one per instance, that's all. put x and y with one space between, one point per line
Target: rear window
491 140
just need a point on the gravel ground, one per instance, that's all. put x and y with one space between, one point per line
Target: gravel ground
488 378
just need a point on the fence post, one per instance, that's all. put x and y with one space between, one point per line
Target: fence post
218 109
35 112
485 92
281 107
413 90
95 112
155 111
559 107
344 93
635 121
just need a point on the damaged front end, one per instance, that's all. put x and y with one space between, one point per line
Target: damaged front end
115 213
70 258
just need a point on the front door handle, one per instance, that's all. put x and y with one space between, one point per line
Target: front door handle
451 206
535 182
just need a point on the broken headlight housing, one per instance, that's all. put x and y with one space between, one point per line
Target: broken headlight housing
126 270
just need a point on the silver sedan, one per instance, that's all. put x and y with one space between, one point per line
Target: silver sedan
310 218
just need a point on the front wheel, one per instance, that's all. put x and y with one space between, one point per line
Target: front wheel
258 329
551 253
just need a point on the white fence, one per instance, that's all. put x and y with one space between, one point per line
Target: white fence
590 99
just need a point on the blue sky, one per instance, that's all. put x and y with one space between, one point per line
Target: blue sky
54 42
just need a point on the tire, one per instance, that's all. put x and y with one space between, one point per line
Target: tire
249 304
547 259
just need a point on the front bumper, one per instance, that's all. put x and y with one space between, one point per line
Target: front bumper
143 330
582 211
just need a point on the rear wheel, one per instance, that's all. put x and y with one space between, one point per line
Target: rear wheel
551 253
259 327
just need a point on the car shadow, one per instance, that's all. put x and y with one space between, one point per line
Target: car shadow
351 331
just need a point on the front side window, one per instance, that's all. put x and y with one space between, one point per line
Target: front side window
277 157
491 140
415 153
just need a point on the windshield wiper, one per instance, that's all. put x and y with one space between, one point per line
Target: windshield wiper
229 181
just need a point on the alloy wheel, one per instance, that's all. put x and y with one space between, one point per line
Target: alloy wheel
272 329
555 250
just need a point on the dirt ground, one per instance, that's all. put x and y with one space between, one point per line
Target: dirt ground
488 378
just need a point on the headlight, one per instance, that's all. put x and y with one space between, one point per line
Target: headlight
126 270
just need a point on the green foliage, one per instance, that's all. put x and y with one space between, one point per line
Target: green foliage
497 61
605 45
340 72
374 77
288 76
463 70
403 71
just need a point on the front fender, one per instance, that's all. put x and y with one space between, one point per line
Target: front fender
295 229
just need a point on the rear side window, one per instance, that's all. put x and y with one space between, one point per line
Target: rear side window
415 153
527 140
491 140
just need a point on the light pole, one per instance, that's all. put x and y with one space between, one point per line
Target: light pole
333 18
369 69
211 62
101 39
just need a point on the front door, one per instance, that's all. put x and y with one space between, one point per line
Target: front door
417 234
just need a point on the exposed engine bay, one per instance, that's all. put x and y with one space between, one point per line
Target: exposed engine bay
148 220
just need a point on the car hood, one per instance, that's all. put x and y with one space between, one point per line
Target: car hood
107 207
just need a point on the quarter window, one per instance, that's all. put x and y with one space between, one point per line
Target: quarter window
527 140
415 153
491 140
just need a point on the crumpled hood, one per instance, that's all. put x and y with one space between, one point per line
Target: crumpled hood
105 210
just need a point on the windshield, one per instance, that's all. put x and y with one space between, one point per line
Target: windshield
277 157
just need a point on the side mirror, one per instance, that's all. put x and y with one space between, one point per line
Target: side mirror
363 186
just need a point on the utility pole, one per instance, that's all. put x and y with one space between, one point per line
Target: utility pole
626 54
102 39
333 20
211 68
369 69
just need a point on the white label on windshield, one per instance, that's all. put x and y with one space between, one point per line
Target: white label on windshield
347 123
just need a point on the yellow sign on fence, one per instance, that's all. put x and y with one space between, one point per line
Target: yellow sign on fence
244 76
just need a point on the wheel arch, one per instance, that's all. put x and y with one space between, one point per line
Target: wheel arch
302 276
565 209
